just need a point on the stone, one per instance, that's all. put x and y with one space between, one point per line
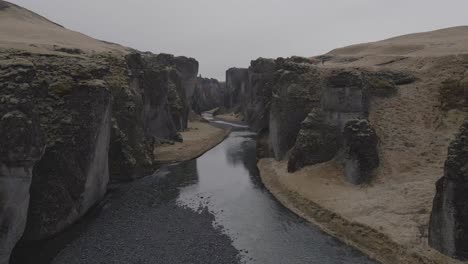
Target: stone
257 101
151 103
344 96
188 70
448 227
208 94
361 155
21 146
237 82
72 175
69 119
396 77
316 142
296 91
381 87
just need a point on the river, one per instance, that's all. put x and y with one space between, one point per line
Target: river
210 210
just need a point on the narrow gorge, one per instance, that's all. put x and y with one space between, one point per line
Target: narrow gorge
113 155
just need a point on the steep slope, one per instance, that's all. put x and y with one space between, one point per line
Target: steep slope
25 30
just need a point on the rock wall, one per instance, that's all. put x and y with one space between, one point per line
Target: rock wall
249 92
79 121
237 87
295 92
73 105
360 143
448 227
256 108
208 94
150 104
72 108
21 145
345 96
317 142
301 111
181 81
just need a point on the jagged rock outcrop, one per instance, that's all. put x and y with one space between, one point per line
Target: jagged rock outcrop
188 70
295 93
150 104
75 115
301 110
73 100
181 82
344 96
257 100
237 82
317 142
448 227
89 109
208 94
265 93
361 156
72 106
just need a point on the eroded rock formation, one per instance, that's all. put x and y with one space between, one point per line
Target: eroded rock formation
150 104
301 111
76 112
101 116
448 227
361 156
208 94
237 82
296 91
318 141
73 108
21 145
256 107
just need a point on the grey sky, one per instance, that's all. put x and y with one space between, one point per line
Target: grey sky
227 33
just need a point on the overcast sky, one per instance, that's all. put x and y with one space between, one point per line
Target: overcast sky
225 33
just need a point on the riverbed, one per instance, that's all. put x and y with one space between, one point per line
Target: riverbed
210 210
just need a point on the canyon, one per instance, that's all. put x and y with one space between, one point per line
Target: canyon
78 116
360 135
367 142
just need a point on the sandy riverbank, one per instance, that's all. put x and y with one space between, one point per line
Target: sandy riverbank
230 117
198 139
372 219
387 219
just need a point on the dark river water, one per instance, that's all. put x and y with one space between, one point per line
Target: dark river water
210 210
228 184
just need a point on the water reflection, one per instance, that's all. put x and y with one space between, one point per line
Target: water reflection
242 151
229 187
225 182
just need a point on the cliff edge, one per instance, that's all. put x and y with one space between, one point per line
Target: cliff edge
75 114
361 133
